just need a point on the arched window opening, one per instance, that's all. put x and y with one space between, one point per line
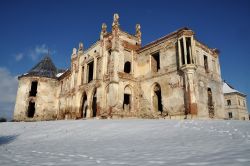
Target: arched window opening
84 106
31 109
127 67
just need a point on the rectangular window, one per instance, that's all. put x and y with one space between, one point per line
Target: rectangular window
33 89
90 71
188 47
182 52
205 63
230 115
155 62
228 102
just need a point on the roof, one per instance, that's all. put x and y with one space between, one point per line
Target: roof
45 68
162 38
229 89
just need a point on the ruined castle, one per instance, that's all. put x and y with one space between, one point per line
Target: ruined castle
175 77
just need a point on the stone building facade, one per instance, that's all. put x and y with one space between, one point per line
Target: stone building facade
175 77
235 103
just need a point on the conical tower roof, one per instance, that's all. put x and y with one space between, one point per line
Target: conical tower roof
45 68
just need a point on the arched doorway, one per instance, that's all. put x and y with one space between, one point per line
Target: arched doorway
210 103
157 98
127 99
94 103
84 106
31 109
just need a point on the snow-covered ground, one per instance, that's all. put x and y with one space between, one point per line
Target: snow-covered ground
125 142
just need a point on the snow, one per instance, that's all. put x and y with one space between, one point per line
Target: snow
125 142
58 75
228 89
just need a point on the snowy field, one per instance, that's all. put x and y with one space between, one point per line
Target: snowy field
125 142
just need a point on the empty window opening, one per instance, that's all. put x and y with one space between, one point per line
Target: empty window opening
228 102
230 115
157 99
33 90
126 101
127 67
182 52
155 62
84 107
239 102
90 71
31 110
205 63
188 47
94 104
210 103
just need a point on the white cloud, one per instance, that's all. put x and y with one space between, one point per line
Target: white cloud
38 51
34 53
8 89
19 56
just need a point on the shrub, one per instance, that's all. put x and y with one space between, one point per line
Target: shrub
3 119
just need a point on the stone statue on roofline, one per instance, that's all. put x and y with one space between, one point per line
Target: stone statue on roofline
80 46
138 30
104 30
74 51
116 20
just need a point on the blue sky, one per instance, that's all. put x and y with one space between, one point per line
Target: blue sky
29 28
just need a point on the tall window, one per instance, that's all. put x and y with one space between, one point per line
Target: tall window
90 71
182 52
155 62
33 90
228 102
188 47
205 63
230 115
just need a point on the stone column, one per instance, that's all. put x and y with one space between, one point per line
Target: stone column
193 52
85 73
95 68
132 62
179 50
185 49
190 89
